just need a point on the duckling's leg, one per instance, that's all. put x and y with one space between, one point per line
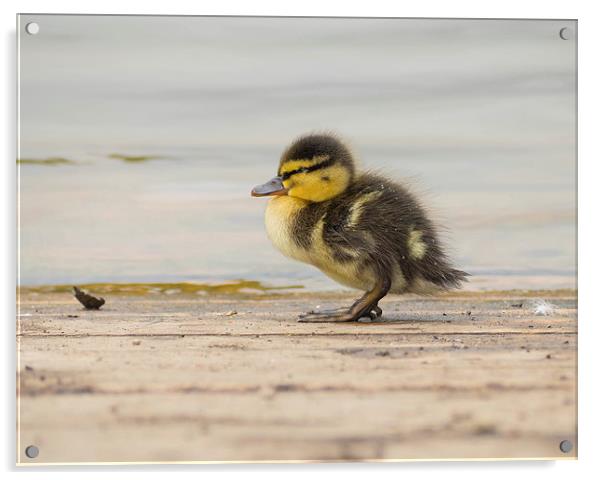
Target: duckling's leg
366 306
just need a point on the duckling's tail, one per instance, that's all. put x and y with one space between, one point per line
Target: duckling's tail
453 278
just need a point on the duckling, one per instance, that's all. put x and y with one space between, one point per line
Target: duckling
361 229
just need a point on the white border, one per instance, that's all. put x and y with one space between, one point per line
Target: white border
590 401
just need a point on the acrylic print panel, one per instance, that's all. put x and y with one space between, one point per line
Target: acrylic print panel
140 139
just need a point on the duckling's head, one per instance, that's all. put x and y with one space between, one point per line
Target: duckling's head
314 167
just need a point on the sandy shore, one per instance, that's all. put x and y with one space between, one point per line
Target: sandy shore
221 378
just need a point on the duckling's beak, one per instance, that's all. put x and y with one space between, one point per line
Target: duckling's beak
273 187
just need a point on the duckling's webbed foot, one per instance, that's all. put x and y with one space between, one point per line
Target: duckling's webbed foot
326 315
366 306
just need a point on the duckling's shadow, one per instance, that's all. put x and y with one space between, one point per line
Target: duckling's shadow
408 318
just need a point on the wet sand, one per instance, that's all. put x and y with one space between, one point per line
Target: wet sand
159 378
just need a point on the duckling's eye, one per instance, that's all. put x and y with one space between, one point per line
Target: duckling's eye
304 170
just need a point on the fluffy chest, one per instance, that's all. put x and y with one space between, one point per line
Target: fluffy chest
280 217
280 214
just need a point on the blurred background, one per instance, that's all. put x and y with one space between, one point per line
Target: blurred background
141 137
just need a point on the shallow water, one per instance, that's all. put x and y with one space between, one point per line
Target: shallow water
477 117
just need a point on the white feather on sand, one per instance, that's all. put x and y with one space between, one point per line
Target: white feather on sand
543 308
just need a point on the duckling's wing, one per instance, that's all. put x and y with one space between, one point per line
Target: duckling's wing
346 238
349 230
379 225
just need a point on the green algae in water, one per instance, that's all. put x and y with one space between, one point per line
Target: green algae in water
45 161
237 287
133 158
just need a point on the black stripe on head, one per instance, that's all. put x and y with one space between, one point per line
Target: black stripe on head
318 166
317 145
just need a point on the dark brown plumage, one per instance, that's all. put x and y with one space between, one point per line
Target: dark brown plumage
381 233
